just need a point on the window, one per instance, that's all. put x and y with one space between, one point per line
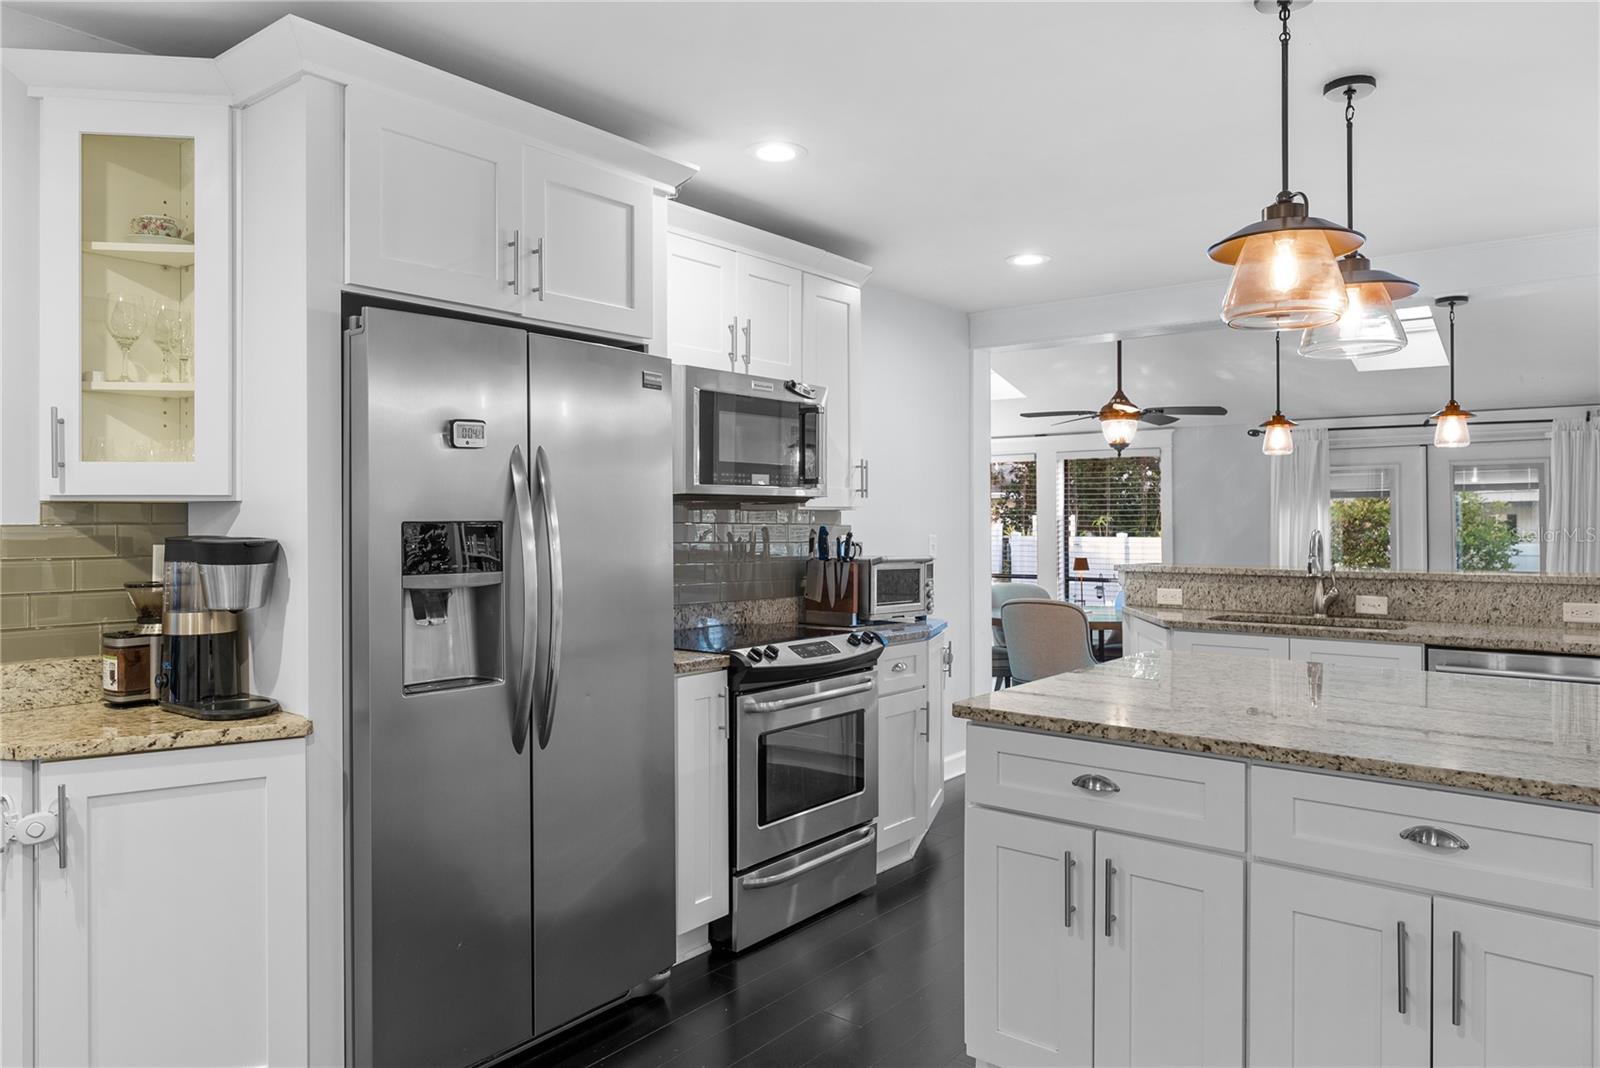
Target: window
1110 515
1363 516
1013 518
1497 513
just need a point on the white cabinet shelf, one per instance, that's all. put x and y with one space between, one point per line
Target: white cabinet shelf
142 389
174 254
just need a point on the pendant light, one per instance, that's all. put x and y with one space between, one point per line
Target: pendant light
1276 439
1284 271
1369 325
1119 418
1450 429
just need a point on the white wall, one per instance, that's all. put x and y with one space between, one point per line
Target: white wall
1220 510
19 302
914 422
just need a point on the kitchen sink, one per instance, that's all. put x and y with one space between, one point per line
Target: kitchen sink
1337 622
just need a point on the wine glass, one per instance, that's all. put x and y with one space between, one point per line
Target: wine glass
184 333
166 329
126 319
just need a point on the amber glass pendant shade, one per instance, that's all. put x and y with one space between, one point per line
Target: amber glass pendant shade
1368 327
1276 437
1285 280
1450 429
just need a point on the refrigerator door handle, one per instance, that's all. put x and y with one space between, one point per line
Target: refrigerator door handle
552 533
523 502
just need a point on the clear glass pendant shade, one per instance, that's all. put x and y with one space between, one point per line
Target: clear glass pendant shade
1119 432
1450 432
1368 327
1277 441
1285 280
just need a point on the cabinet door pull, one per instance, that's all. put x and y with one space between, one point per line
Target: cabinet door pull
1400 961
861 466
538 250
733 343
58 443
722 720
747 345
1096 784
949 657
926 716
1111 871
1071 908
1455 978
1434 838
515 245
899 666
61 825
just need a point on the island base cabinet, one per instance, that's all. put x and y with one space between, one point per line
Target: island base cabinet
1513 988
1169 954
172 929
1339 971
1029 943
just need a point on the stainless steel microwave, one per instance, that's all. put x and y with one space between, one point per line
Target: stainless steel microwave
894 589
748 436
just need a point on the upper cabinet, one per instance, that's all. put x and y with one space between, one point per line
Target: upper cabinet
135 284
444 207
831 356
767 300
702 325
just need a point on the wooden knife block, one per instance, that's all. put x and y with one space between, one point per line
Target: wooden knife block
841 611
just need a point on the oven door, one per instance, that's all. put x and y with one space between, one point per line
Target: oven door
806 766
753 437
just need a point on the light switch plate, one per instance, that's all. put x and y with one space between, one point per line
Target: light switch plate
1170 596
1580 612
933 545
1368 604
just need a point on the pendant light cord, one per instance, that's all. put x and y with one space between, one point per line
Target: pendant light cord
1283 40
1350 156
1119 366
1277 372
1452 352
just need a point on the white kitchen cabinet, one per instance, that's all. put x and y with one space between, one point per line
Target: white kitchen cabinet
768 299
702 326
939 670
136 365
433 201
1138 636
1513 988
1205 641
1030 936
1169 954
902 770
701 762
174 932
831 357
1328 957
585 245
1357 653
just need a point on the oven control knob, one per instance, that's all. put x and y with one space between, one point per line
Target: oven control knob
854 639
772 652
874 636
754 654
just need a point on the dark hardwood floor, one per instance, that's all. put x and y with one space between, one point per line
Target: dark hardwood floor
875 981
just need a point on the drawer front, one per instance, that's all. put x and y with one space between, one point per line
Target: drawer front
1518 853
1356 654
1271 646
903 667
1190 799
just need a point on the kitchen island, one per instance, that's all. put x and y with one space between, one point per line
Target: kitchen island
1420 854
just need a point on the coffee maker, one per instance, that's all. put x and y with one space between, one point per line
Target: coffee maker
210 581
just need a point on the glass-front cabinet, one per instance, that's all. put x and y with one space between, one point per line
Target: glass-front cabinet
136 278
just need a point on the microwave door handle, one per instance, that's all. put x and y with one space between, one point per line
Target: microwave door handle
523 505
552 533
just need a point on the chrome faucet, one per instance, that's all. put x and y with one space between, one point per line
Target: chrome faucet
1326 592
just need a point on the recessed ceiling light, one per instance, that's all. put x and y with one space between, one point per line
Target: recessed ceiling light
1027 259
777 151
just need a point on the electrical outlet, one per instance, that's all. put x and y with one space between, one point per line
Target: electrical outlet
1368 604
933 545
1580 612
1170 596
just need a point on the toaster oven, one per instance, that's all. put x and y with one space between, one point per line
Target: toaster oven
894 589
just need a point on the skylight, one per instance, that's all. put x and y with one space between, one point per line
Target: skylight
1423 348
1000 389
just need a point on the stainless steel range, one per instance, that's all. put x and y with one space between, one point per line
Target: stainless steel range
804 757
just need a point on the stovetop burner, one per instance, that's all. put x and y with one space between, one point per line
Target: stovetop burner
726 637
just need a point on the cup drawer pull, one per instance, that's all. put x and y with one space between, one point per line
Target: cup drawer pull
1434 837
1096 784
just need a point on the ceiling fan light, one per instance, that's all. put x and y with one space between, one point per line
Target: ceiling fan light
1368 327
1450 429
1118 428
1285 279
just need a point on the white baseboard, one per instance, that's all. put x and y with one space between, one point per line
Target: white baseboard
955 764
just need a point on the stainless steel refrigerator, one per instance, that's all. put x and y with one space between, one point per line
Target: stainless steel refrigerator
508 513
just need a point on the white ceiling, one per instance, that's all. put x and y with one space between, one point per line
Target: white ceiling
1513 350
1121 138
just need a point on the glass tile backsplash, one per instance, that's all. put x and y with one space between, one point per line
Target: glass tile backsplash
722 555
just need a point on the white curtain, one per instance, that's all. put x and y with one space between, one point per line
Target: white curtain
1299 497
1573 539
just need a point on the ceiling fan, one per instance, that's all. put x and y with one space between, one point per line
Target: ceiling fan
1120 417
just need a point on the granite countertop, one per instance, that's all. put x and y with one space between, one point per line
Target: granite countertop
1576 640
685 662
91 729
1518 737
905 633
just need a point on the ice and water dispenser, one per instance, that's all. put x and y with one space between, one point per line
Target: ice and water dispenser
452 588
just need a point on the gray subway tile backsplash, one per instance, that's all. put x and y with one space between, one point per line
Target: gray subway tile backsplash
727 554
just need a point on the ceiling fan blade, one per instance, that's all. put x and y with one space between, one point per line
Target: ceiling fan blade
1048 415
1075 419
1190 409
1156 418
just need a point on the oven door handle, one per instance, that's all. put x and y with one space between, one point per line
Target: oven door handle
809 698
864 837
